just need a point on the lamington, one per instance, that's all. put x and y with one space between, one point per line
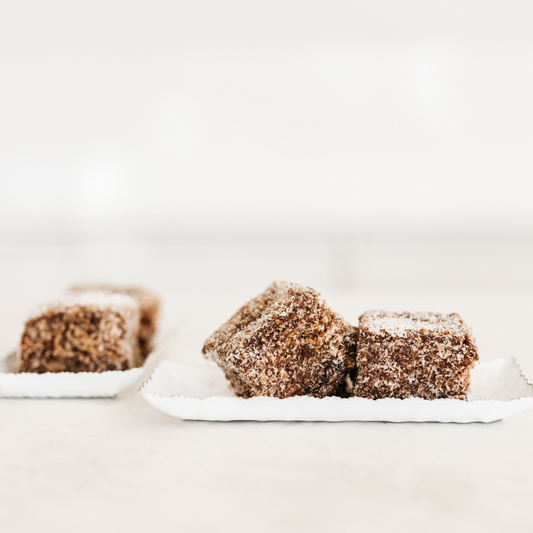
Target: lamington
148 305
82 332
284 342
420 355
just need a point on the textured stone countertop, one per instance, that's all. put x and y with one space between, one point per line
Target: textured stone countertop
120 465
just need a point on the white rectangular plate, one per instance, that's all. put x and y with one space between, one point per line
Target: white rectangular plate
64 384
499 389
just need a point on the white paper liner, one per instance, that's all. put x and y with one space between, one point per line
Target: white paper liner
64 384
77 384
499 389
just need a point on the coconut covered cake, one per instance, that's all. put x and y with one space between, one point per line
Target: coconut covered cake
422 355
284 342
148 307
82 332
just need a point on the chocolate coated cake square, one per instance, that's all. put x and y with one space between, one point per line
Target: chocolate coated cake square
148 305
422 355
84 332
285 342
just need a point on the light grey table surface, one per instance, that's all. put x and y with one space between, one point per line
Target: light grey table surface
120 465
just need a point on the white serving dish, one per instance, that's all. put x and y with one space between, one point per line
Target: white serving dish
75 384
499 389
64 384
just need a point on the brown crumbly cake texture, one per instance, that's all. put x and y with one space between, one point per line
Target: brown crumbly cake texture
422 355
86 332
149 308
285 342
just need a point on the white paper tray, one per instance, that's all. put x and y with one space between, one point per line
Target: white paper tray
76 384
499 389
64 384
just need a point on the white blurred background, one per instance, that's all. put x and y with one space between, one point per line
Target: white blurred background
378 151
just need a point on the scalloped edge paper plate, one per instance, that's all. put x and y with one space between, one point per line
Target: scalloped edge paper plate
75 384
499 389
65 384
